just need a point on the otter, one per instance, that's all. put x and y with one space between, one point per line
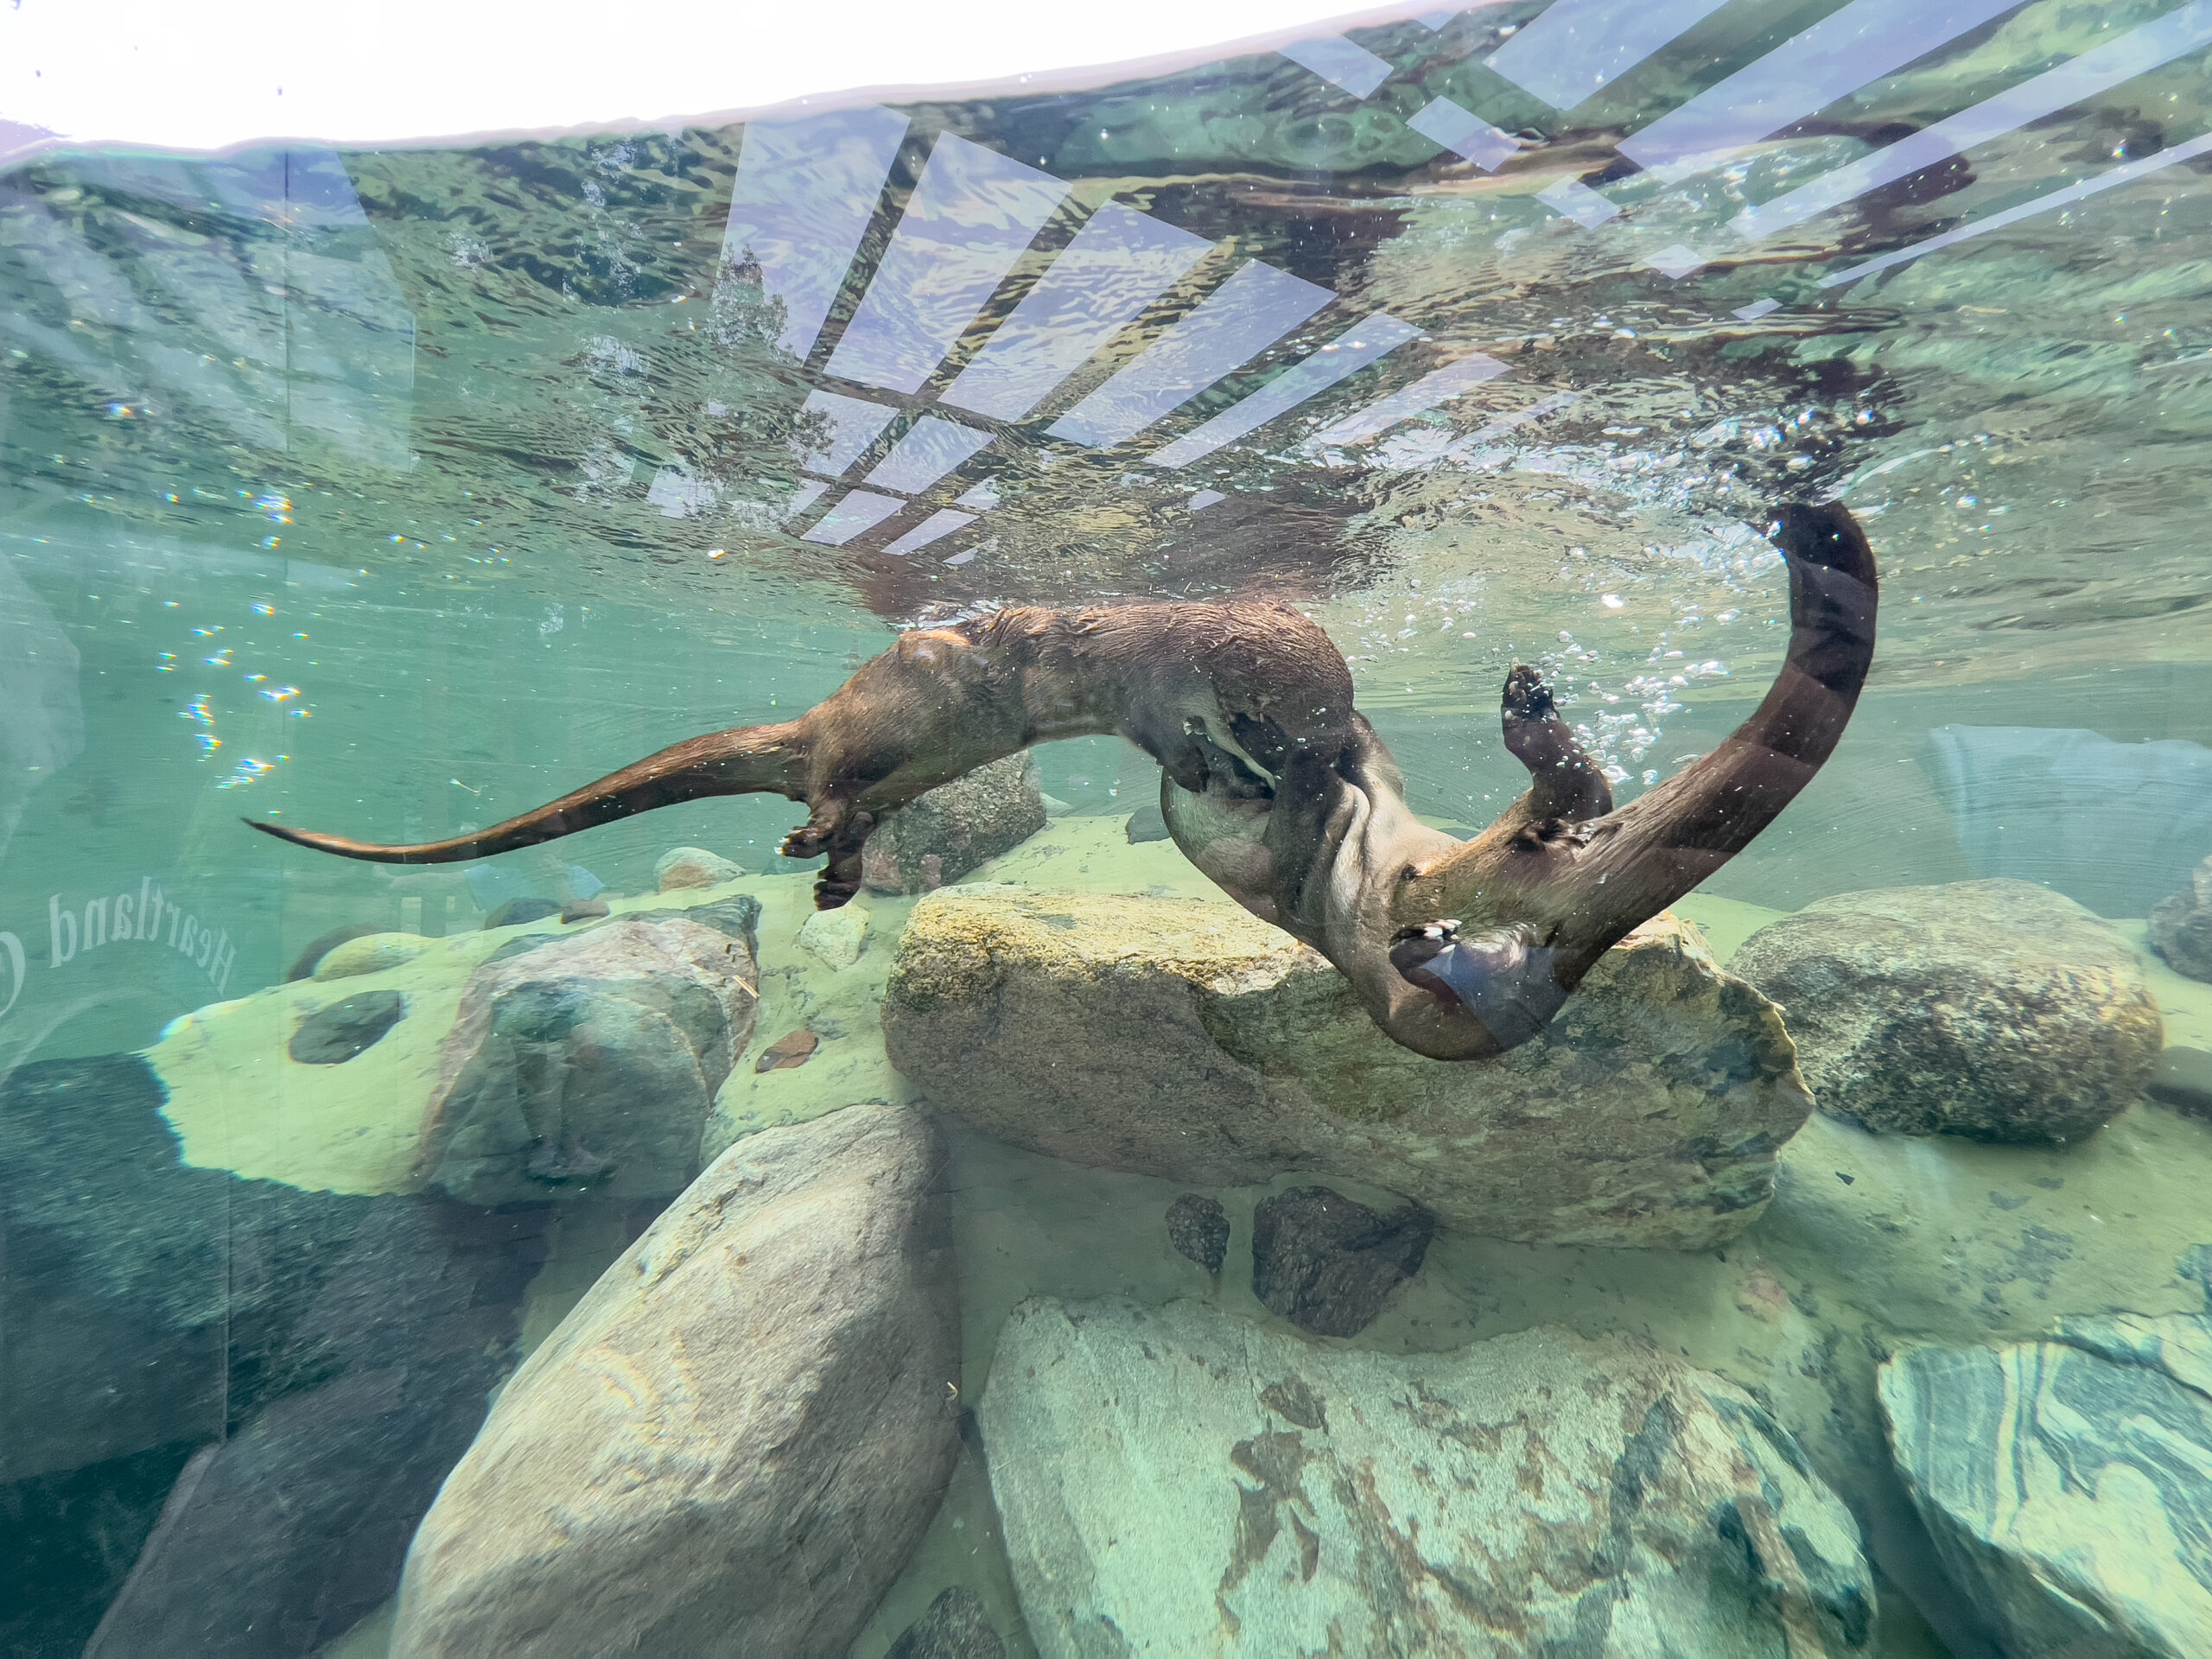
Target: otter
1276 787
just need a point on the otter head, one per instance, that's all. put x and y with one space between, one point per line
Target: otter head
1464 949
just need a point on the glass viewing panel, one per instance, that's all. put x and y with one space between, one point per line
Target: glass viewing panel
1447 886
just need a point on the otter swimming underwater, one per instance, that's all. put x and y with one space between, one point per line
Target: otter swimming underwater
1280 792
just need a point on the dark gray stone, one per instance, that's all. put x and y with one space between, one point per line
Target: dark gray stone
942 837
1148 822
333 1035
1198 1228
2181 925
954 1628
1327 1263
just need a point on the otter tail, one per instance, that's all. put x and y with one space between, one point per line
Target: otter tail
749 760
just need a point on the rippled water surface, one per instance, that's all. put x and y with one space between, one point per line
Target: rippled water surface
393 491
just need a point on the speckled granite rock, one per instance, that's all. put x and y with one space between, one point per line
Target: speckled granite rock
592 1058
2068 1483
1994 1009
837 937
1192 1041
1178 1481
939 838
2181 925
731 1444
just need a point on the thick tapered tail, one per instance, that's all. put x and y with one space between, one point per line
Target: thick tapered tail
750 761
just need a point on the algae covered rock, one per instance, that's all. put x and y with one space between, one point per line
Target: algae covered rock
2068 1483
2181 925
732 1443
1192 1041
935 840
592 1057
1994 1009
1178 1481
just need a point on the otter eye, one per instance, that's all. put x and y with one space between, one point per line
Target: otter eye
1408 874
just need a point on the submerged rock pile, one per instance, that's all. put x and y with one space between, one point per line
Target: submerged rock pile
1995 1009
1194 1042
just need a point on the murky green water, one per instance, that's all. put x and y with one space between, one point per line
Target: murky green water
392 493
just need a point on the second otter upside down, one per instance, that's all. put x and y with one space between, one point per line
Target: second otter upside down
1280 792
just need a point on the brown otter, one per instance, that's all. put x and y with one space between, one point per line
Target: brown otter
1281 792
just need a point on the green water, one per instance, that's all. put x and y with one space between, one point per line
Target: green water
395 492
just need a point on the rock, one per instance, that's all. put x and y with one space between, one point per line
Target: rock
837 937
1993 1009
2068 1483
792 1049
1325 1262
370 953
954 1628
947 832
527 908
731 1444
1148 822
1531 1493
1192 1041
326 1357
334 1034
2181 925
1198 1228
591 1056
694 866
304 964
585 910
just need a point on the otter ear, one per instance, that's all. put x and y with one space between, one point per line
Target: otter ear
1565 782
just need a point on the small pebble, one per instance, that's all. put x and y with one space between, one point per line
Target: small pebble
585 910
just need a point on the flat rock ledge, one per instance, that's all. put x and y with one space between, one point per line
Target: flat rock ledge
1177 1480
1194 1042
2068 1483
732 1443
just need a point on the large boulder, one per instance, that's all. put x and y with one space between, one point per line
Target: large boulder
2068 1483
1194 1042
2181 925
1994 1009
732 1443
934 841
1178 1481
591 1061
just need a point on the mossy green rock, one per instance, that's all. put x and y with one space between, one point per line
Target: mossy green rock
1194 1042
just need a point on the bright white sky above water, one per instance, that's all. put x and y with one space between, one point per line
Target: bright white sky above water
206 73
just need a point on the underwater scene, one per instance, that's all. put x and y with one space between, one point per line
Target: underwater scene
1398 842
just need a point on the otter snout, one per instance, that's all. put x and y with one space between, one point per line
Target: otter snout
1504 979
